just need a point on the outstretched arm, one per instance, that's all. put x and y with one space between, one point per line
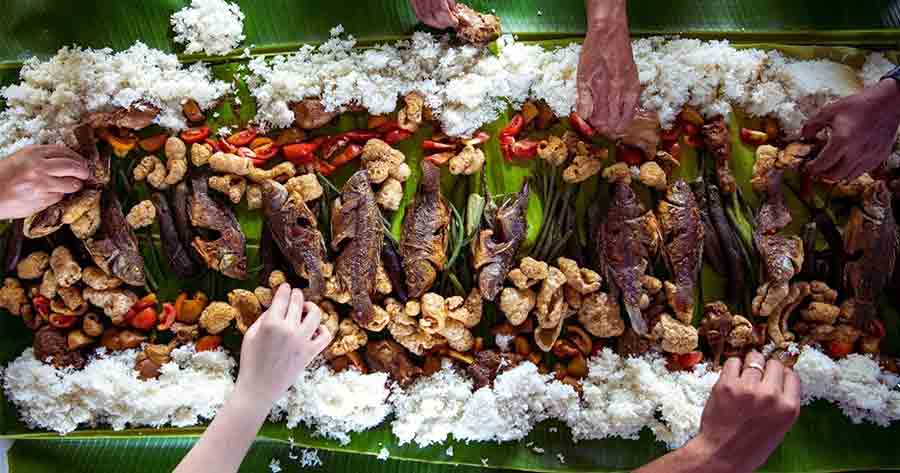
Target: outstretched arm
608 86
750 410
37 177
276 348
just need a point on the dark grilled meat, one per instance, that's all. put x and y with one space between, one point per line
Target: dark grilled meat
357 233
50 345
390 357
134 118
425 234
644 133
227 254
488 364
177 254
495 248
310 114
293 227
871 243
115 248
476 27
718 142
181 216
629 239
393 266
682 230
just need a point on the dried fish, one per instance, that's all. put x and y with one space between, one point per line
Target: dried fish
227 253
495 248
116 251
425 234
682 230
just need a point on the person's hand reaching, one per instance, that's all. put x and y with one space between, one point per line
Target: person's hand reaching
279 345
37 177
607 82
435 13
862 132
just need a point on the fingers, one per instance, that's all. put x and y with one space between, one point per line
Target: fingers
774 375
65 167
320 341
791 383
311 320
732 369
754 364
280 303
295 308
64 185
57 151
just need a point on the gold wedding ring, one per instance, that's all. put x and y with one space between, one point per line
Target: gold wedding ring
756 366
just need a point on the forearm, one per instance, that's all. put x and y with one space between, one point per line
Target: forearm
228 438
606 13
694 456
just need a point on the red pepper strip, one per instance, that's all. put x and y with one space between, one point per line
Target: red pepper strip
351 152
671 134
524 149
168 317
440 159
266 151
195 135
360 136
302 153
242 138
62 321
581 126
479 138
226 147
514 127
42 304
387 127
754 137
629 155
396 136
153 143
325 169
332 145
431 145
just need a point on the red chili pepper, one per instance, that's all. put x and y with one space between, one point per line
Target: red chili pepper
168 317
266 151
226 147
524 149
62 321
387 127
686 361
145 319
246 152
581 126
431 145
214 144
671 134
479 138
360 136
351 152
396 136
325 169
440 159
839 349
242 138
153 143
754 137
514 127
629 155
303 153
260 142
208 343
690 129
42 305
195 135
332 145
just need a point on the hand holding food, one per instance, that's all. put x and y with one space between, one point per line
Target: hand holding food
608 86
862 130
280 345
435 13
37 177
470 25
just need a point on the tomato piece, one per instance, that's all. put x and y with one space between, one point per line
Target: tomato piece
630 155
839 349
360 136
524 149
514 127
144 319
195 135
265 152
226 147
168 317
242 138
325 169
431 145
351 152
192 112
208 343
581 126
153 143
302 153
440 159
396 136
754 137
62 321
479 138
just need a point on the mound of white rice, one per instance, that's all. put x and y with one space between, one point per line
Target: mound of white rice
214 27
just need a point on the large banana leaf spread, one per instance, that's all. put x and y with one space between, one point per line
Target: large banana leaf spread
818 443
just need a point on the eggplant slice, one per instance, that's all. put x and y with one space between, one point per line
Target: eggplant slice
176 252
227 253
425 234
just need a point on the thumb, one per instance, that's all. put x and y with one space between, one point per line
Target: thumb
816 123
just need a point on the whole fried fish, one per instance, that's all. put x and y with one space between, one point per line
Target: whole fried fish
425 233
629 239
870 238
116 250
682 232
495 248
227 254
357 233
293 227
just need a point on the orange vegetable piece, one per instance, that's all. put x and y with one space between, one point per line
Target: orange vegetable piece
153 143
208 343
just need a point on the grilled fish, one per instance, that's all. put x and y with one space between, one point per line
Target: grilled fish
495 248
116 252
425 233
227 254
682 230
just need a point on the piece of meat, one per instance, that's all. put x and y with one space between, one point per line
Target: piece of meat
718 142
133 118
494 249
733 253
114 248
715 327
390 357
294 229
631 344
488 364
475 27
177 255
83 141
357 233
871 244
227 253
425 233
629 239
644 133
682 230
310 114
50 343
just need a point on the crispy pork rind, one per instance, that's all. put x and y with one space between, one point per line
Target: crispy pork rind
12 296
176 160
114 302
582 280
410 116
380 160
95 278
33 265
599 315
200 154
516 304
307 185
281 172
217 316
741 333
65 268
390 195
652 175
349 338
265 295
551 307
674 336
248 307
583 167
141 215
232 186
406 330
553 150
467 162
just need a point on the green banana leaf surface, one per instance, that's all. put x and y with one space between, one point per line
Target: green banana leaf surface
823 439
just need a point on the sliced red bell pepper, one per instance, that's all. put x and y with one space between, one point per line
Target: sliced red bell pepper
208 343
266 151
260 141
303 153
168 317
242 138
581 126
396 136
325 169
479 138
154 143
195 135
145 319
514 127
226 147
524 149
440 159
431 145
360 136
351 152
754 137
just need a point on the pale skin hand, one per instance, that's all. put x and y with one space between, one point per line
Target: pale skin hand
276 348
746 418
608 86
37 177
863 127
435 13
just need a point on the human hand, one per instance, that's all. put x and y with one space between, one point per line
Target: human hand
37 177
279 345
435 13
748 413
607 82
863 129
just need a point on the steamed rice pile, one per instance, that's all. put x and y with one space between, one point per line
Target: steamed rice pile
214 27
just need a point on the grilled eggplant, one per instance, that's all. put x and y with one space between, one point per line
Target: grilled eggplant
177 254
425 233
